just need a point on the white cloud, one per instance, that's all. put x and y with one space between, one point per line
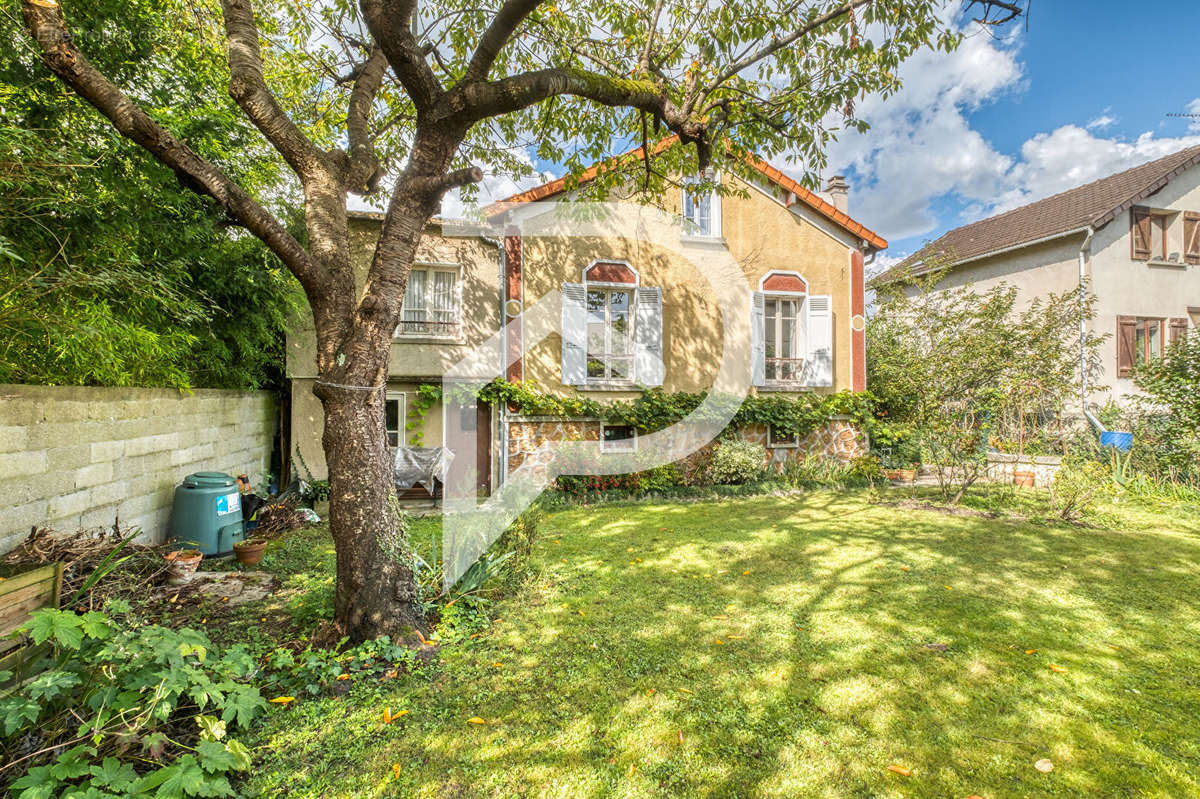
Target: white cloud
922 154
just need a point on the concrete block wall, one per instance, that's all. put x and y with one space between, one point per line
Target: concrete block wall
74 456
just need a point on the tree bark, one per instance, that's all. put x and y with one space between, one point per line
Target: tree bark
376 586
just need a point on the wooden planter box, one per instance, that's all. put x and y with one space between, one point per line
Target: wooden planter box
20 595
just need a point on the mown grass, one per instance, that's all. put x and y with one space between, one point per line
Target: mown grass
780 647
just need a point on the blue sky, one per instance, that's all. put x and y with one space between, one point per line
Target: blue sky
1001 122
1082 92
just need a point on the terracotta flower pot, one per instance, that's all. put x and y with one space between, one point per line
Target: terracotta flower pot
901 475
249 553
182 565
1024 479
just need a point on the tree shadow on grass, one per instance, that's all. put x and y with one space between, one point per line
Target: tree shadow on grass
611 681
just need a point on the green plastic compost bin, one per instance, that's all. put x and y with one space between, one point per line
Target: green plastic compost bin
207 513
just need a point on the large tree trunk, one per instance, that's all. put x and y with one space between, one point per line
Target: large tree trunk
376 590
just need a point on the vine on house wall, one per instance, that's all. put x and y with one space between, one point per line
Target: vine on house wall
656 409
426 397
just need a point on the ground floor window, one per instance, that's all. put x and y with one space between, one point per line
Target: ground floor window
619 438
609 334
393 417
781 337
781 438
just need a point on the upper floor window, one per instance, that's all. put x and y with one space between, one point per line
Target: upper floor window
1164 235
701 211
432 303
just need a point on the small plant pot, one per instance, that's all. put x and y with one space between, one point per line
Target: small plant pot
182 565
901 475
249 553
1023 479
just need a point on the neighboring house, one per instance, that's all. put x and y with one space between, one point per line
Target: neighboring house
1133 239
634 316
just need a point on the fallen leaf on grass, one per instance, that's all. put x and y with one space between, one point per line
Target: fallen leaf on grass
341 677
681 736
1057 668
396 770
745 572
282 700
720 642
903 568
949 588
476 720
901 770
1030 651
497 665
632 768
1044 766
686 691
722 616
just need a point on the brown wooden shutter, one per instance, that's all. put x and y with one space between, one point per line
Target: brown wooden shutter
1191 237
1176 329
1139 233
1126 345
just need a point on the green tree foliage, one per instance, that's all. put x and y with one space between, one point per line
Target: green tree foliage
109 274
1168 427
951 365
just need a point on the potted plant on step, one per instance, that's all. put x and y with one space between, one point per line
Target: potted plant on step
900 462
250 552
182 565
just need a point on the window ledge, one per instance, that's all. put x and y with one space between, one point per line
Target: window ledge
792 387
692 238
1161 262
407 338
608 386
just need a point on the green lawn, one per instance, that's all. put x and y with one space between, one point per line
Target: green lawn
792 647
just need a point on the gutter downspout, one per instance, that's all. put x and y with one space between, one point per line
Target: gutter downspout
1083 378
501 420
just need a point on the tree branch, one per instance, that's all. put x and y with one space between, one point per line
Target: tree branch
46 23
778 44
249 90
497 34
389 22
364 172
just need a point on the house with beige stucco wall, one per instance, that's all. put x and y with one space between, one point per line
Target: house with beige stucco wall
1132 239
635 315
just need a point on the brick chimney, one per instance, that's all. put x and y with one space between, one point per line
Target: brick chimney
839 193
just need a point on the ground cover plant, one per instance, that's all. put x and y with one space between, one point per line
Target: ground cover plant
796 645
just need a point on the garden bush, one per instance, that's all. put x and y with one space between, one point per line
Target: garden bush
127 709
735 461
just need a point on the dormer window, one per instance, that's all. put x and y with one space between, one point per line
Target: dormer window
701 211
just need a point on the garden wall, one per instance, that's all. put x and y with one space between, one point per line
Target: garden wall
73 456
1001 466
529 438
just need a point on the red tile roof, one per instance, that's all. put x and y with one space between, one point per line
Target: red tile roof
794 189
1093 205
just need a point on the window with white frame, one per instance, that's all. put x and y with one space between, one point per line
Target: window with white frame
394 412
783 338
619 438
701 211
432 303
610 346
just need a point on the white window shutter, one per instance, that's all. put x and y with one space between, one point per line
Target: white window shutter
574 334
648 337
819 369
758 357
